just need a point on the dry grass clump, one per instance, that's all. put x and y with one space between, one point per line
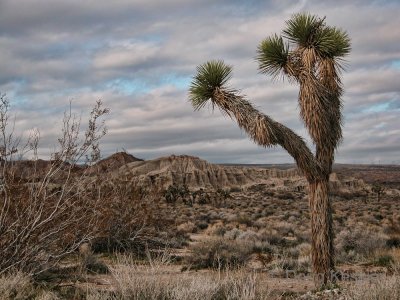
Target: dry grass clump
387 288
18 286
154 281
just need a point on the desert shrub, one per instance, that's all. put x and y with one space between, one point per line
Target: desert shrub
384 260
244 219
201 197
187 227
46 209
220 197
270 193
90 263
304 249
263 247
284 228
285 195
131 218
235 190
257 188
360 242
219 253
393 242
248 236
349 194
177 192
232 234
285 267
201 225
218 229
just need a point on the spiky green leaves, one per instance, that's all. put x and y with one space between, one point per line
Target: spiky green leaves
210 76
309 31
333 42
272 55
301 29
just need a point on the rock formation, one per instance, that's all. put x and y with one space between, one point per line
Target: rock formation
197 173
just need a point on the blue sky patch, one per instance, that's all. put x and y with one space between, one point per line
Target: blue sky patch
128 86
379 107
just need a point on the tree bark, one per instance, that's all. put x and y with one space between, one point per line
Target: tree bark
322 251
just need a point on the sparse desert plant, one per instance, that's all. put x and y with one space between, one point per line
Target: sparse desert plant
219 253
393 242
129 218
378 190
384 260
187 227
358 243
90 263
46 212
176 192
221 197
312 58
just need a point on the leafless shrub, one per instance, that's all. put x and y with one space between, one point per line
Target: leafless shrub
47 213
130 218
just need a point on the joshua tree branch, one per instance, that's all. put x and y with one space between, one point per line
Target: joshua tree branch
265 131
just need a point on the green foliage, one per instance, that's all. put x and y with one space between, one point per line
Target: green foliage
333 42
210 75
304 31
301 29
272 55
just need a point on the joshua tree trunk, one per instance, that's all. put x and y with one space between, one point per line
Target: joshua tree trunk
321 231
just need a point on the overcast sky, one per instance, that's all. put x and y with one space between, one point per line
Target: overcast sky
139 58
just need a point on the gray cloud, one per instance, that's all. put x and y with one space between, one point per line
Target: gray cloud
139 56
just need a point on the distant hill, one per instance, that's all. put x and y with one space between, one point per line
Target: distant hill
113 162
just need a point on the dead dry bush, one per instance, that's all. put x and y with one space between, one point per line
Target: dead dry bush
46 213
217 253
132 219
49 208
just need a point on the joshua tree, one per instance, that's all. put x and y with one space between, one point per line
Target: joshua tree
378 190
311 57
